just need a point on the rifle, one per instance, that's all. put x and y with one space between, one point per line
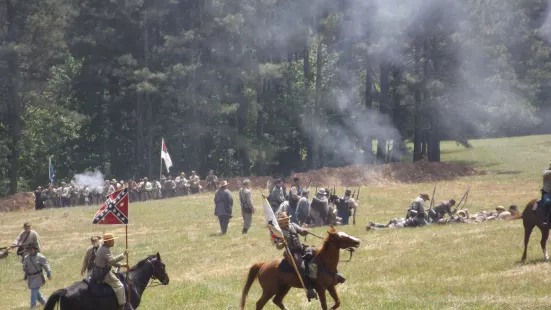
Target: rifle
432 201
308 184
463 198
357 200
334 190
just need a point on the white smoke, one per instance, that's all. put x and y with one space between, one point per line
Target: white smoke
92 180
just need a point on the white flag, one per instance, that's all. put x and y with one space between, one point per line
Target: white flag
165 156
273 226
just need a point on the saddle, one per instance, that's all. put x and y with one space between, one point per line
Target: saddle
103 290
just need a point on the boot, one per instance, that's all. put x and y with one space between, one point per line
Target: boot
244 231
340 278
310 292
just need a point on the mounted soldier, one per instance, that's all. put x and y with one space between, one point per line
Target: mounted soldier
102 269
416 212
301 254
546 194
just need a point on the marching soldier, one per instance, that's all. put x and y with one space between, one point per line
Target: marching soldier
34 265
416 211
211 180
223 205
291 232
247 207
319 208
103 264
195 186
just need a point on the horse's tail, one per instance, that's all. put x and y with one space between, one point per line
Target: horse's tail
54 298
253 272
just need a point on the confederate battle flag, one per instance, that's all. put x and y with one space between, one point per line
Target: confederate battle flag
114 210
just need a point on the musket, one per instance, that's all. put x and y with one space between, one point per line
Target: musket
353 193
463 198
334 190
309 184
432 198
357 200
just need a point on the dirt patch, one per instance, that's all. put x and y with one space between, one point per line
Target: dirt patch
19 201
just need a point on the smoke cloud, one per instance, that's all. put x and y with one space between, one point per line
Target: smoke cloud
93 180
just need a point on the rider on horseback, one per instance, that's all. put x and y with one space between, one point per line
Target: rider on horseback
291 232
546 193
102 270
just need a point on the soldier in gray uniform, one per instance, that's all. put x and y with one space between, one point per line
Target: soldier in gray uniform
303 208
440 211
546 193
291 232
319 208
416 211
247 207
34 265
223 206
276 196
102 269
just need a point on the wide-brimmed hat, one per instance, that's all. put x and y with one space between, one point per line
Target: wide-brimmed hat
223 183
500 209
425 196
305 192
181 173
322 191
108 237
246 181
32 246
283 217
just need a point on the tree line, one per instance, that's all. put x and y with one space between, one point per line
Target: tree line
257 87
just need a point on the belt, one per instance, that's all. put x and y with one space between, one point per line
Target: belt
34 274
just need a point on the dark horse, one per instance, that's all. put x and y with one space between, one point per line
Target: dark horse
531 219
77 296
276 283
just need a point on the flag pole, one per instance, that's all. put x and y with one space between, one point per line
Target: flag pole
292 259
127 269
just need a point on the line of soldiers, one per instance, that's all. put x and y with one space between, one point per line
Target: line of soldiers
326 208
70 194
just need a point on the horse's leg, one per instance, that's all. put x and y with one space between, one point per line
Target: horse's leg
263 300
544 237
322 297
278 299
333 292
527 232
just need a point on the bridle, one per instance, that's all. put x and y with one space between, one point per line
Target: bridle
153 281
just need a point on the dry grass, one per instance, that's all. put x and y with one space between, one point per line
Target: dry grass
439 267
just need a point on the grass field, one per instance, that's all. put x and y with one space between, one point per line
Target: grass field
439 267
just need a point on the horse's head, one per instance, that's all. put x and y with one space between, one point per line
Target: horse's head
342 240
159 269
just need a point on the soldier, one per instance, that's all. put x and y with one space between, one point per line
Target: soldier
440 211
90 256
291 232
276 196
345 206
170 186
65 195
319 208
38 199
211 180
74 195
102 269
47 196
34 265
108 189
290 206
194 186
223 205
546 193
163 189
87 194
297 185
148 189
182 185
247 207
156 187
26 237
303 208
417 210
56 196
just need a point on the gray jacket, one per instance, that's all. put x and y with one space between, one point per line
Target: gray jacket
223 202
34 267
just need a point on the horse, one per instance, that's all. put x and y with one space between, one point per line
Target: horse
275 282
78 297
531 219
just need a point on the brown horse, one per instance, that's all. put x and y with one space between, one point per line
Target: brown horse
277 283
531 219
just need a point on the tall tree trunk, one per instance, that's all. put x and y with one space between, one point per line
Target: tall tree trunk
148 103
368 138
397 145
140 141
434 142
14 102
417 136
315 151
383 109
427 100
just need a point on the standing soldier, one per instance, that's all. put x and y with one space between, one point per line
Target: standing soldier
170 187
65 195
276 196
163 189
38 199
103 264
90 256
319 208
181 185
87 196
195 186
155 189
47 195
223 205
546 193
108 189
303 208
247 207
211 180
148 189
26 237
34 265
416 211
74 195
344 206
